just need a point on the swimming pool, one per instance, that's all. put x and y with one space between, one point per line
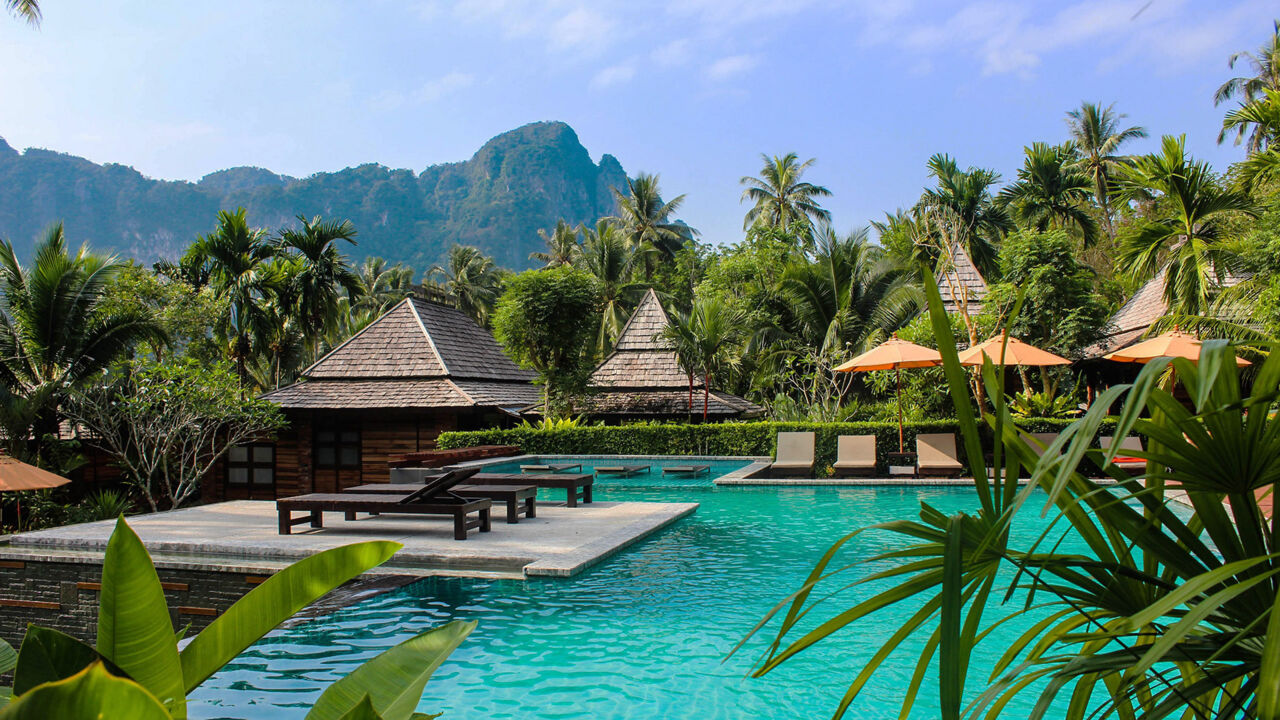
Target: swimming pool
654 476
642 635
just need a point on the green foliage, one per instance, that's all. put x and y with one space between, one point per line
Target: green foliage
1060 310
1032 404
473 280
58 676
166 424
1051 192
546 320
547 423
105 505
187 315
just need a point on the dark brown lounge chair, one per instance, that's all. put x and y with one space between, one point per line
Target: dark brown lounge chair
686 469
434 498
575 485
624 470
519 499
551 468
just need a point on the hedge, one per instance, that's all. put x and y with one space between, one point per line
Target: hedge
755 438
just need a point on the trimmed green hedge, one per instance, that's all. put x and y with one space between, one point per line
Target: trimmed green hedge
757 438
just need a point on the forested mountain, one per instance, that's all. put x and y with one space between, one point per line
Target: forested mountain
519 182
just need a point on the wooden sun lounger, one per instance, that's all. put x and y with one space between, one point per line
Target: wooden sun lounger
1123 460
551 468
686 470
519 499
575 485
350 504
625 470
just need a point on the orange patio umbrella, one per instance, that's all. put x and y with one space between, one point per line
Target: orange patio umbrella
1015 353
893 355
16 476
1175 343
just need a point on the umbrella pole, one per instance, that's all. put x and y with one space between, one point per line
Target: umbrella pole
898 372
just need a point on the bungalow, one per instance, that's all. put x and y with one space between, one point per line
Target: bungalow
420 369
642 378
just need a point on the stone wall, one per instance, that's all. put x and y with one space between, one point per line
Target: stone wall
64 595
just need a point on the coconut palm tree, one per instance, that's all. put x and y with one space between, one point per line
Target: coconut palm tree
611 259
472 278
1050 192
683 339
1186 242
323 272
54 330
779 198
851 295
382 285
1097 135
562 245
967 195
707 335
236 257
28 10
1266 76
645 220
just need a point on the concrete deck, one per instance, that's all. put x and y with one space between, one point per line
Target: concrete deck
561 541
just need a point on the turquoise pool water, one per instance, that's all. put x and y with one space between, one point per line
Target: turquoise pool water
653 476
642 635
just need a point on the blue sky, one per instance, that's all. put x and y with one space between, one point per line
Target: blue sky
692 89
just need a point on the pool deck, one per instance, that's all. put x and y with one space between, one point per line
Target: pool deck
560 541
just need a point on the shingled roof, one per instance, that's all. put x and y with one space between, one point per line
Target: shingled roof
642 376
1137 315
959 280
416 355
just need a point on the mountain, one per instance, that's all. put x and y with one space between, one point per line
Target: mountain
519 182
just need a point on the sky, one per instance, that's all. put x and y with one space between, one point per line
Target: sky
694 90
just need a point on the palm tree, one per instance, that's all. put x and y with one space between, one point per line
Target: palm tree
54 330
1266 76
607 255
323 272
562 245
681 335
28 10
779 198
382 285
473 280
1187 243
851 294
645 220
279 326
966 194
1050 192
704 338
236 256
1098 136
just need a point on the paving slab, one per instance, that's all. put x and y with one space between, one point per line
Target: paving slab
560 541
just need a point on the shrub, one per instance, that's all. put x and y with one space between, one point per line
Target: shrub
754 438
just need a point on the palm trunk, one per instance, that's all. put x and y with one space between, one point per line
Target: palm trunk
691 394
706 395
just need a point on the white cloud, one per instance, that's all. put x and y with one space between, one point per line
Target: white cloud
727 67
582 29
673 54
444 85
613 75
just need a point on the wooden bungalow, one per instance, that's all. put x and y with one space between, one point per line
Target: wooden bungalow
420 369
642 379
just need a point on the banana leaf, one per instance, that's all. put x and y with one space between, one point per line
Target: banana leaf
48 655
273 602
91 694
393 681
134 629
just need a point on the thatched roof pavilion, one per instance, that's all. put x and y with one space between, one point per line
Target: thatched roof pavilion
959 281
642 378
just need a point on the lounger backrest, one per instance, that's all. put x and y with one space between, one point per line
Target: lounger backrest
936 449
1042 441
851 448
438 485
795 447
1129 443
415 475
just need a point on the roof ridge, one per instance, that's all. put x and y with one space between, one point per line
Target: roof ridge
430 341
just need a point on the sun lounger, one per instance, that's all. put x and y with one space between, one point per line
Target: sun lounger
855 455
575 485
1123 460
551 468
936 455
624 470
519 499
795 455
434 498
686 469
